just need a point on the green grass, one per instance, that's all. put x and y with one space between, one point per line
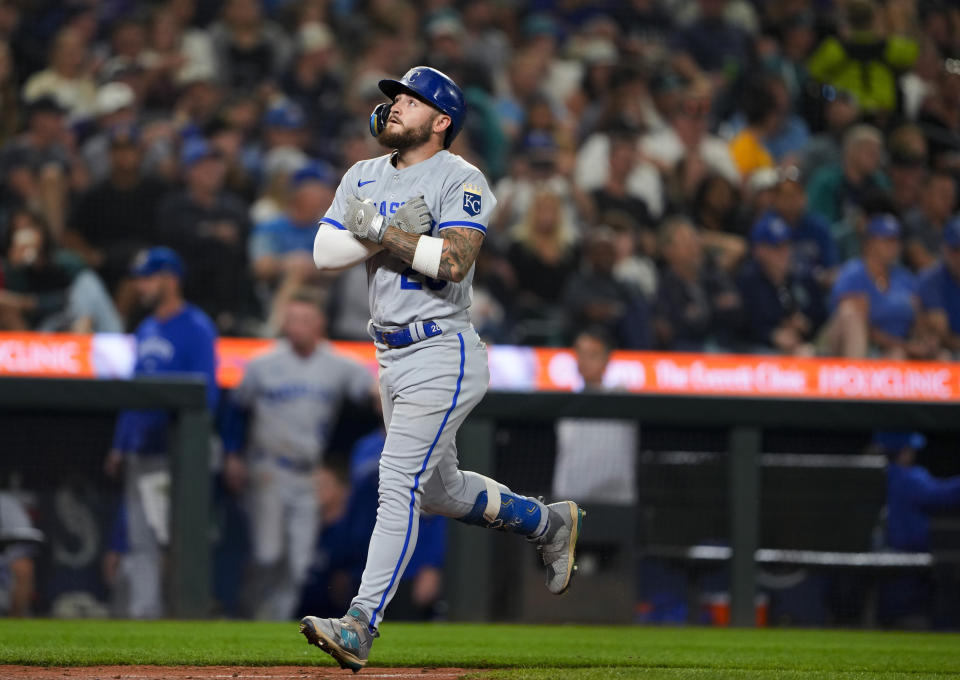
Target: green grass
511 652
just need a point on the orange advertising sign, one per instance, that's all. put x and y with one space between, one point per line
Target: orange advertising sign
30 354
741 375
529 368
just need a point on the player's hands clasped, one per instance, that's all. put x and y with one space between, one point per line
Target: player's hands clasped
413 217
364 220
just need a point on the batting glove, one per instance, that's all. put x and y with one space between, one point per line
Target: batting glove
364 220
413 217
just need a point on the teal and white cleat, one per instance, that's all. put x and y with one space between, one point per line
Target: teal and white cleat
558 545
347 640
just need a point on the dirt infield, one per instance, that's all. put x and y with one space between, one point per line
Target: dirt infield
225 672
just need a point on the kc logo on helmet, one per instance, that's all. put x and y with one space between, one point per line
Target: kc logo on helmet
472 199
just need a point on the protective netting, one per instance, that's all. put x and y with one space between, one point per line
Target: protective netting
826 557
52 472
656 541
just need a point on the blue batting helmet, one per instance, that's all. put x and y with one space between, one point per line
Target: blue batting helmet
435 88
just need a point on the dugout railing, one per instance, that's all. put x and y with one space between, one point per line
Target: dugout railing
185 397
471 584
471 576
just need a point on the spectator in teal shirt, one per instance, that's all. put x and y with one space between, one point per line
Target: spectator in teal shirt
834 189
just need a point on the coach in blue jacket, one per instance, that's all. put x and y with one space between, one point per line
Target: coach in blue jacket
912 494
177 338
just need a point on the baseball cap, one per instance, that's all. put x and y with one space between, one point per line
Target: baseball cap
112 97
45 104
196 149
315 171
314 36
770 230
599 51
284 160
123 135
286 115
539 24
194 72
883 226
538 141
951 232
539 148
763 179
446 25
155 260
894 441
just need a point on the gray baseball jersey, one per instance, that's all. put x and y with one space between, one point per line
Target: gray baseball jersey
294 402
427 388
457 195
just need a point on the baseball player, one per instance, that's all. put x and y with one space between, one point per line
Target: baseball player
418 216
18 551
284 411
177 337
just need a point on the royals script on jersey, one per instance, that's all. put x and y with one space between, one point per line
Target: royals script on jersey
457 195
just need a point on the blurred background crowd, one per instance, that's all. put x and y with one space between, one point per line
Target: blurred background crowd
687 175
775 177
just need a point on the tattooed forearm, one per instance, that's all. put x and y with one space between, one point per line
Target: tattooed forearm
400 243
460 248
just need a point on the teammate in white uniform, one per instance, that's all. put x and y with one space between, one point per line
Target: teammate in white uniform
289 400
418 217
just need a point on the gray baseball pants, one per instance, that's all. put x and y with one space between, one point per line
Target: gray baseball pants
284 522
427 389
146 553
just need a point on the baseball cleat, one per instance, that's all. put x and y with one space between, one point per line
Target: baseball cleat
347 640
559 543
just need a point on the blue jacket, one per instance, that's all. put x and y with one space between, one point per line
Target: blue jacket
912 492
182 344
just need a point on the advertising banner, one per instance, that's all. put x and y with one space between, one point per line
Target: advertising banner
530 369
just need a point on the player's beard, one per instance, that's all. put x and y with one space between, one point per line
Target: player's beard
406 138
151 298
150 302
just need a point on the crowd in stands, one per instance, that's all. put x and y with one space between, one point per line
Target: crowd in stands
775 177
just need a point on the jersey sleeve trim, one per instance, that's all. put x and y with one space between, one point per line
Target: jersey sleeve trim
333 222
462 223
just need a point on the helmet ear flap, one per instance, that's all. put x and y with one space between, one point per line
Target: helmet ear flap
378 119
